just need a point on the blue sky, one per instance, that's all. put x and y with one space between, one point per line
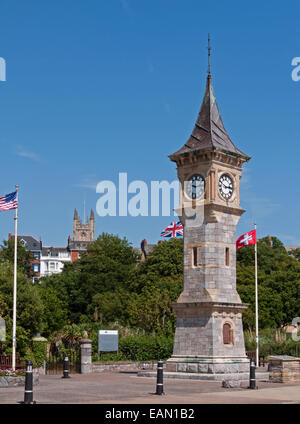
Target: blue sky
99 87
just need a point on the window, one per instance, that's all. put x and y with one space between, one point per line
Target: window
227 256
227 334
52 266
35 268
195 259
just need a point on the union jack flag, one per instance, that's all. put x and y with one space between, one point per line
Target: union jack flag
175 229
9 201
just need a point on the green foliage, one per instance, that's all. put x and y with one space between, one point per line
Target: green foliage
106 289
140 348
147 348
272 342
55 313
295 253
24 257
278 284
37 353
29 306
155 284
105 285
104 269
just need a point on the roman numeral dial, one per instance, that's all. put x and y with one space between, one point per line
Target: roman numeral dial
225 186
195 186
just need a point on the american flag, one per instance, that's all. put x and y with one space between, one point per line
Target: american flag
9 201
175 229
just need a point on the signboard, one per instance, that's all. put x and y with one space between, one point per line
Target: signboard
108 341
2 330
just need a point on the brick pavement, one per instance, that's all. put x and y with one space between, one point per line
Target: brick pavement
127 388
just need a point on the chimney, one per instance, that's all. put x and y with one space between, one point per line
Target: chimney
270 240
9 236
143 244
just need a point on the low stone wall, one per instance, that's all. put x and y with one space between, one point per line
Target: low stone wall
284 369
123 366
6 381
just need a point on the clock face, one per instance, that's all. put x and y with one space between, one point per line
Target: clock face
195 186
225 186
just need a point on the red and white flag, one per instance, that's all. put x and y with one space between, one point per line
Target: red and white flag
246 239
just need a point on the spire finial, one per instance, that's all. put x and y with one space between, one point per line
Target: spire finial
209 49
84 210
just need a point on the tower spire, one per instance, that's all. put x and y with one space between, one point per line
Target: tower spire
208 50
84 210
209 132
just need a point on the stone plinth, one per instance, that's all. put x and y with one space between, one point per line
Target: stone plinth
284 369
86 356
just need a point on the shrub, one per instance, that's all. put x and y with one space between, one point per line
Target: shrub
145 348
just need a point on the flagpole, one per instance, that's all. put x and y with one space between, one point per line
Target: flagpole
14 340
256 303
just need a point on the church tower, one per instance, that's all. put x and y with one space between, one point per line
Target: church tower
83 231
209 337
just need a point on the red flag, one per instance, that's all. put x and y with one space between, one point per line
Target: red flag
246 239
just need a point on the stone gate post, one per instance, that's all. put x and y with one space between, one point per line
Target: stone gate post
85 356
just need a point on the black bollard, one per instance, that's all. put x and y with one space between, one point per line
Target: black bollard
159 382
252 383
66 368
28 394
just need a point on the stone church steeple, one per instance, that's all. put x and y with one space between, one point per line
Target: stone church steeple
83 231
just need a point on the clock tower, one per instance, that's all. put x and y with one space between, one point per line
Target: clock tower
209 341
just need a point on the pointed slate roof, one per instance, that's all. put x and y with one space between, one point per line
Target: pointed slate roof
209 132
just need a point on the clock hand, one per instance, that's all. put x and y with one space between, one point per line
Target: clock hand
226 185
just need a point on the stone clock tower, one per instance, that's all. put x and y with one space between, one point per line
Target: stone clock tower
209 341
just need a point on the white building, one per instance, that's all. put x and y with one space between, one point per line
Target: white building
53 259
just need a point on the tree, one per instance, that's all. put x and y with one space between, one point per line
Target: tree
104 269
295 253
155 284
24 257
278 284
29 305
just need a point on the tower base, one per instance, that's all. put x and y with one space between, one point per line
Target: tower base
231 372
208 365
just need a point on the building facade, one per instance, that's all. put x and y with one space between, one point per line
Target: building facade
34 246
53 260
48 260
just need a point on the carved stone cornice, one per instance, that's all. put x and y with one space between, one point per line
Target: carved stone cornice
203 309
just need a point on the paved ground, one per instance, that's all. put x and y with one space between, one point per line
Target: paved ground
127 388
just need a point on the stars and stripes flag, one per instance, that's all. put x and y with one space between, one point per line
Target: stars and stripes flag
246 239
175 229
9 201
